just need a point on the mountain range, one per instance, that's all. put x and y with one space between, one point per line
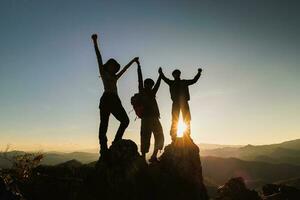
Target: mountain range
257 164
285 152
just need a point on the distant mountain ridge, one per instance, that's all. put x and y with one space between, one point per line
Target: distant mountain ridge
256 173
52 158
257 164
285 152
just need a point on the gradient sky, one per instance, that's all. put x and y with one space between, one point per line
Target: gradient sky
249 91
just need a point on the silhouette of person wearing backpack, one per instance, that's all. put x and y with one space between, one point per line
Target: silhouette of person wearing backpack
110 102
180 96
146 108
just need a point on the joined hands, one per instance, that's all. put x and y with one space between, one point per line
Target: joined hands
136 59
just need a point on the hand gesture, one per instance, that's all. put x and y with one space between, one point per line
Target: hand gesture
136 59
94 37
138 62
160 70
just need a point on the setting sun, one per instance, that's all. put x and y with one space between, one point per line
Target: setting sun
181 127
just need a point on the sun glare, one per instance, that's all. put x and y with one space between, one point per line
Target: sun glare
181 127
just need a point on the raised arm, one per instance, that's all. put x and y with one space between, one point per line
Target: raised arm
168 81
157 84
98 54
196 78
127 66
140 77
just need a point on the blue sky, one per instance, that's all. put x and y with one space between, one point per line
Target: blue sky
249 50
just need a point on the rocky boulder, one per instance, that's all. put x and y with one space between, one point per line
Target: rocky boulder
235 189
121 174
178 175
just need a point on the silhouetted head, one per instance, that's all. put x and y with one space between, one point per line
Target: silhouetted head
112 66
148 83
176 74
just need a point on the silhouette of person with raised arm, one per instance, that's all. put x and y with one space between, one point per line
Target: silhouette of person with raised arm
110 102
150 119
180 96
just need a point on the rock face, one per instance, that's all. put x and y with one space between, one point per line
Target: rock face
180 172
123 174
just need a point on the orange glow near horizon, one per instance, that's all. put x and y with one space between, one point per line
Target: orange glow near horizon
181 127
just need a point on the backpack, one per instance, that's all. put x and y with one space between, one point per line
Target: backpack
137 103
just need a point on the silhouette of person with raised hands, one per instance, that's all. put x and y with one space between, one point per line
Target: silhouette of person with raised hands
179 89
150 119
110 102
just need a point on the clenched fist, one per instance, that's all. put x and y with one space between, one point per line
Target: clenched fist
136 59
94 37
160 70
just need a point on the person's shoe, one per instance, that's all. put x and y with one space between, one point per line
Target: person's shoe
153 159
103 154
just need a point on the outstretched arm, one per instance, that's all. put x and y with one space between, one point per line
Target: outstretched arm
98 54
196 78
126 67
168 81
157 84
140 76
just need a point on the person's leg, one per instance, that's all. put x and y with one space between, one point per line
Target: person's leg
104 118
145 137
158 137
175 117
120 114
186 115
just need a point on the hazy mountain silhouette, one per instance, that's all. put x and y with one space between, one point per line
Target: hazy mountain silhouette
286 152
70 164
203 146
53 158
258 165
219 170
216 170
122 174
84 178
